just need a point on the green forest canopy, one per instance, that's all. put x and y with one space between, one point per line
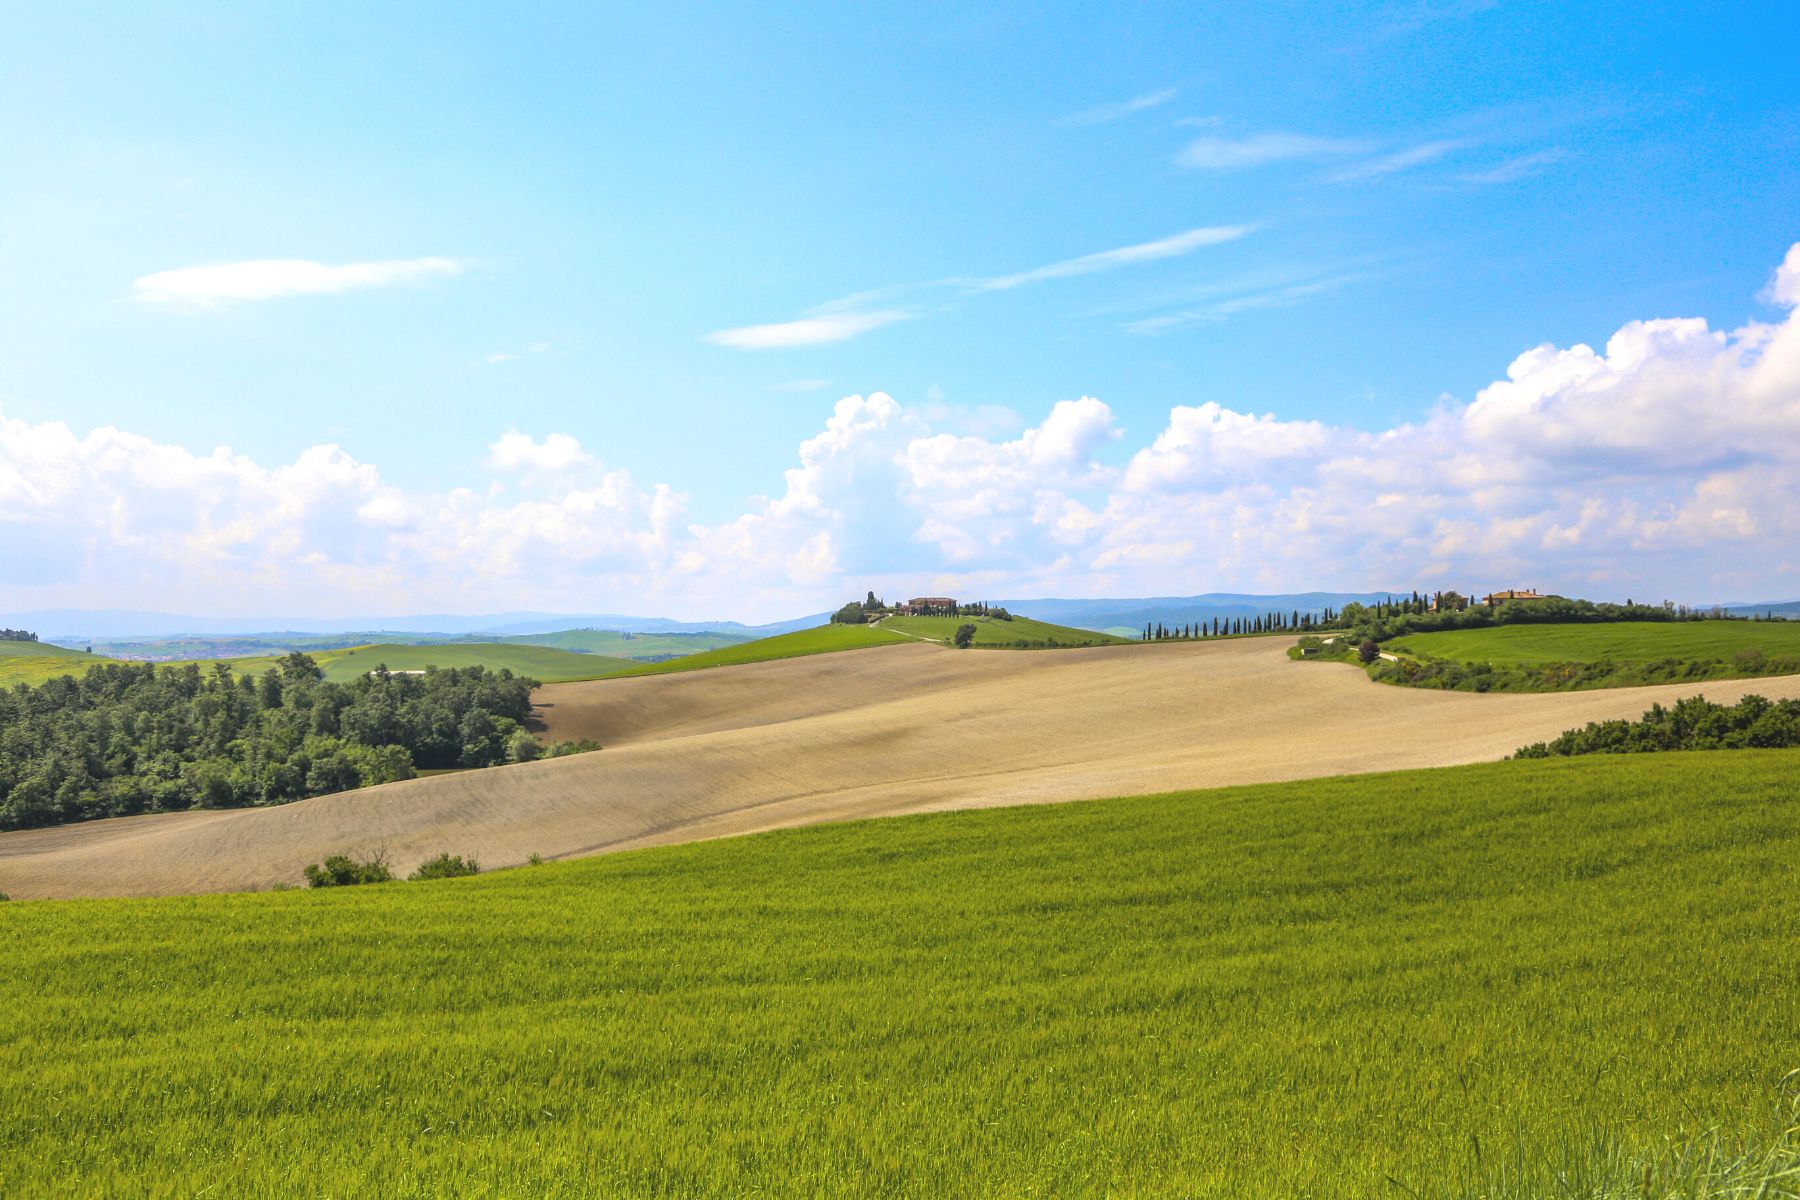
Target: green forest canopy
129 738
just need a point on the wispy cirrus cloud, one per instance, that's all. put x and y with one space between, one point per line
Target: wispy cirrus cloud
218 284
1231 154
806 331
1517 167
1106 260
503 356
843 319
1399 160
1106 113
1247 300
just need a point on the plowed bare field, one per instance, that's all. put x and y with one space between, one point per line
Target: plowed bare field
862 733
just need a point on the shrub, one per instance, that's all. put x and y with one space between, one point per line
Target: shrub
340 870
447 866
965 636
522 747
1694 723
578 746
4 896
1368 652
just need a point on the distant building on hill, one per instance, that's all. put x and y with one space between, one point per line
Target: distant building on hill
1497 598
927 606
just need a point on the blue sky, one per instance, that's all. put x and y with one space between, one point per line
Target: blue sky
675 241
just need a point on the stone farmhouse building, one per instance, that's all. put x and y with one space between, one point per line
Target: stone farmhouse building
926 606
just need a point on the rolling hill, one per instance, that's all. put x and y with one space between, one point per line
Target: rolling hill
617 644
34 662
545 664
1020 633
822 639
904 727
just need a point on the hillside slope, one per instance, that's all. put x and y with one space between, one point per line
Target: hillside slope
801 643
34 662
902 728
543 663
1021 633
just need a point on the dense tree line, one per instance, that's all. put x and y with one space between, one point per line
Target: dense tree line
132 738
1397 618
1452 676
1276 622
1691 724
1576 676
17 635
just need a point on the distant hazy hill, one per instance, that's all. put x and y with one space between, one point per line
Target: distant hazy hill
78 624
1180 610
1789 609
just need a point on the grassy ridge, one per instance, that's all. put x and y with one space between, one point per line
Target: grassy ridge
545 664
34 662
1625 641
541 663
1019 633
823 640
627 645
1376 986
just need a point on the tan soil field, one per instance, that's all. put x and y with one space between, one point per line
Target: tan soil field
860 733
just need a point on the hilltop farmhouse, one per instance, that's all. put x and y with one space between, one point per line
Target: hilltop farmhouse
1495 599
927 606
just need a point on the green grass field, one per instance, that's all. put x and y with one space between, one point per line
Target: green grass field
542 663
1382 986
627 645
34 662
823 640
545 664
1020 633
1627 641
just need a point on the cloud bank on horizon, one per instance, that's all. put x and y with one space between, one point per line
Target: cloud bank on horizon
1666 463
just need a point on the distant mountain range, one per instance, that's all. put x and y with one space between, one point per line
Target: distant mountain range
1183 610
1775 608
1117 613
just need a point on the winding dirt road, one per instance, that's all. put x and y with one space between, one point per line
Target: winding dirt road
862 733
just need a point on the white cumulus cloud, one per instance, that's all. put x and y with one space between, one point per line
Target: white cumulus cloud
1666 463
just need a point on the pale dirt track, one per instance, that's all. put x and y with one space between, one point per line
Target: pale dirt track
895 729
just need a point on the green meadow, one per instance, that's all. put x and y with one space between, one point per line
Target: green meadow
1021 633
542 663
824 639
627 645
1490 981
34 662
1624 641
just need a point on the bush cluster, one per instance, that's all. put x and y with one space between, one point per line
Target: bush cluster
340 870
1691 724
132 738
1575 676
447 866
